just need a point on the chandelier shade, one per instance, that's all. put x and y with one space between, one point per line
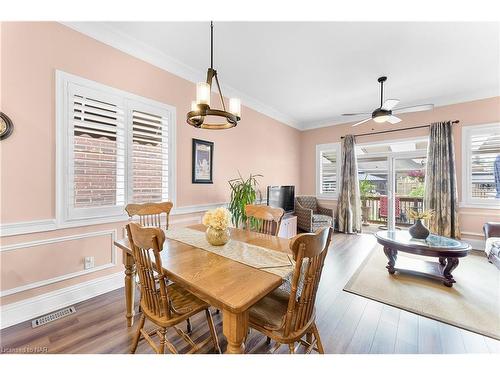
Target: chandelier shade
201 114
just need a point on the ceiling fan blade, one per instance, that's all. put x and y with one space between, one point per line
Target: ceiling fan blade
390 104
414 108
356 114
393 119
362 122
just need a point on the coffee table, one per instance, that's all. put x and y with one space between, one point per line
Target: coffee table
447 250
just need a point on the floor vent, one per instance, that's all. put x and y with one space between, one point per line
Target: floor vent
52 316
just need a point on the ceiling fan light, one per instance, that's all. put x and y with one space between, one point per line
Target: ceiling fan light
381 119
203 93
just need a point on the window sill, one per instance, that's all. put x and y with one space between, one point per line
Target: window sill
327 197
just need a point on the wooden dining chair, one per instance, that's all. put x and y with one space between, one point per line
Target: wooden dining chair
164 304
288 317
150 214
263 219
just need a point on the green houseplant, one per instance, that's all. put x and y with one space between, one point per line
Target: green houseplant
243 192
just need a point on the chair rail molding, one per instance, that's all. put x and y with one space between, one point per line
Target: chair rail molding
46 225
30 308
37 284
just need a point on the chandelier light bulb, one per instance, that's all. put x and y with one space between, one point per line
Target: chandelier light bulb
203 93
235 106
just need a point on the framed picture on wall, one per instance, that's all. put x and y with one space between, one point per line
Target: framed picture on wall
202 167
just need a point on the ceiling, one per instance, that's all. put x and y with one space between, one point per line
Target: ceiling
307 73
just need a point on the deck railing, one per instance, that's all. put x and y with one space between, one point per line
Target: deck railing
405 203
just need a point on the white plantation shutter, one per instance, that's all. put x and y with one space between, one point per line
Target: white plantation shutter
149 164
96 153
328 171
113 148
485 148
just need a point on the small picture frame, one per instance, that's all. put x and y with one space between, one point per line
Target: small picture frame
202 164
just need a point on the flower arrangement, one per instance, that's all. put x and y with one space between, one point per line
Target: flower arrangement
423 215
217 219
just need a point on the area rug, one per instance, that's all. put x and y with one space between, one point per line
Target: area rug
473 303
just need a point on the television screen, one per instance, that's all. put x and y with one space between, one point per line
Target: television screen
282 197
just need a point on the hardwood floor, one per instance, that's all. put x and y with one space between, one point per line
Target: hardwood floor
347 323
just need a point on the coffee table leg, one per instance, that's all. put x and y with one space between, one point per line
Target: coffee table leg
451 264
392 255
442 261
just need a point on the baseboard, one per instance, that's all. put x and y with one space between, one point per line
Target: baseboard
475 243
30 308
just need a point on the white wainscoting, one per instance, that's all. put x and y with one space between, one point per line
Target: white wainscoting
31 308
37 284
37 226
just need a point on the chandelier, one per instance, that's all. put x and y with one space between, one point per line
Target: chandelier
201 115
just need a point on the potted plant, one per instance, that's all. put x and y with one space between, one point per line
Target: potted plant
365 189
217 222
418 230
243 192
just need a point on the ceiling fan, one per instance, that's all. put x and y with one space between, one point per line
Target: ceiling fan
385 112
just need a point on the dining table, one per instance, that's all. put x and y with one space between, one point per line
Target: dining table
229 285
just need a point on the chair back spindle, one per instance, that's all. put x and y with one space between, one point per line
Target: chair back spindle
150 214
263 219
309 249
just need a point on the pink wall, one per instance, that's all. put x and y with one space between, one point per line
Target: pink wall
30 54
470 113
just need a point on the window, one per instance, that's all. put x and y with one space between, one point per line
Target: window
113 148
481 166
327 170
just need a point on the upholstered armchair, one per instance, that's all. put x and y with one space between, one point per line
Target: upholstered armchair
492 235
310 215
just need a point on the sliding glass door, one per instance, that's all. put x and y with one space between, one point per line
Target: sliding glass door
391 178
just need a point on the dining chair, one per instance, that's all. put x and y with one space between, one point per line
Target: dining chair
263 219
150 215
288 317
164 304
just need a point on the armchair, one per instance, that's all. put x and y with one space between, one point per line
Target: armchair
492 235
310 215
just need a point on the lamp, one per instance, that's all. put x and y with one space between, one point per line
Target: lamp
200 109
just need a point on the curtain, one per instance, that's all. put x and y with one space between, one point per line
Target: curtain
349 201
441 181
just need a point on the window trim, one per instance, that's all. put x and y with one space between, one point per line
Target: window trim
320 148
63 82
466 197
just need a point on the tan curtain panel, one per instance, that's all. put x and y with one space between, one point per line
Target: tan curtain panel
349 201
441 181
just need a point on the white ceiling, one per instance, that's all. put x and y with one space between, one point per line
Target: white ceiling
307 73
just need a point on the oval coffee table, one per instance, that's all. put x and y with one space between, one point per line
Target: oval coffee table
447 250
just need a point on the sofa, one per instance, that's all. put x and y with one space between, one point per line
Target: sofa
311 215
492 248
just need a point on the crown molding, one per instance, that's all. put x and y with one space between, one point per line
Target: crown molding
106 34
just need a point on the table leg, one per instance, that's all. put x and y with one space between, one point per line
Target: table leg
442 261
392 255
234 327
129 288
451 264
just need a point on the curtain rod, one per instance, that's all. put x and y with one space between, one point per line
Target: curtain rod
396 130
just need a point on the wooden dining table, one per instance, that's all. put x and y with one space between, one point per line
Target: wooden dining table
226 284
